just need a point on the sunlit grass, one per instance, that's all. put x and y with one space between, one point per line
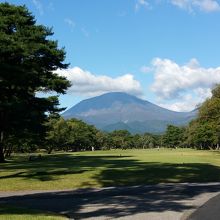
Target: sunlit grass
8 212
109 168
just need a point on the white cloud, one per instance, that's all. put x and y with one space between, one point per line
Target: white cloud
203 5
38 6
171 79
87 84
70 23
180 3
187 103
145 69
85 32
189 5
51 6
141 3
182 87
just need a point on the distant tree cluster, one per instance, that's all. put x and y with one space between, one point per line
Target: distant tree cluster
76 135
204 131
69 135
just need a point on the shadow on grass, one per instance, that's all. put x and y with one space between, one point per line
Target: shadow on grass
152 173
114 171
53 166
14 211
42 175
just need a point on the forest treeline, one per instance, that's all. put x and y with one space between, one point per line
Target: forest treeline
76 135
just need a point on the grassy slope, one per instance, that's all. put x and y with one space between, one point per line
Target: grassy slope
14 213
110 168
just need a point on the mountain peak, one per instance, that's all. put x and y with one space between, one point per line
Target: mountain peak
103 101
117 96
115 108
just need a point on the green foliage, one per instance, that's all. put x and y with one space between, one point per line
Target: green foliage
28 59
75 135
174 136
81 135
57 133
70 135
204 132
147 141
120 139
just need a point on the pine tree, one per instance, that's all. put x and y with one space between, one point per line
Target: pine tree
28 59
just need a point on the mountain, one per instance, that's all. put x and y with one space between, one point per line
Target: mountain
117 110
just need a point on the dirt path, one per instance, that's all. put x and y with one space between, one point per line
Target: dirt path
162 201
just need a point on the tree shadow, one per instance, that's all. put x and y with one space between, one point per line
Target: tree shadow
112 170
114 202
119 171
153 173
42 175
53 166
15 210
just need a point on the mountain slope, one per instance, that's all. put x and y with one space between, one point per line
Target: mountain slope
119 110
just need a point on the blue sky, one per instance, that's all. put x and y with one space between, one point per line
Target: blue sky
165 51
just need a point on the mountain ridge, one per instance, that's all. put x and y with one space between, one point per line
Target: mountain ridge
121 108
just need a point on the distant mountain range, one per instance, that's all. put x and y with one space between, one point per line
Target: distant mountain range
117 110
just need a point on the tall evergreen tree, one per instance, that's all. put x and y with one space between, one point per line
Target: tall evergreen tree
28 59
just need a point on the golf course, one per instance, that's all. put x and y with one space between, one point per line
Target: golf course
109 168
97 169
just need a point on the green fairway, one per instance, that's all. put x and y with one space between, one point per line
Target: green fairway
14 213
109 168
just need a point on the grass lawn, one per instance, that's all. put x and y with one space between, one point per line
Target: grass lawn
109 168
14 213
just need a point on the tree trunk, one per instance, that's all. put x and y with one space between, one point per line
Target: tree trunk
50 150
2 158
9 151
3 125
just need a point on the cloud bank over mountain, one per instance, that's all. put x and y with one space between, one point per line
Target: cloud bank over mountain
87 84
176 87
184 85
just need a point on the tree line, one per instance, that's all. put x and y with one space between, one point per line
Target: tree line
201 133
75 135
